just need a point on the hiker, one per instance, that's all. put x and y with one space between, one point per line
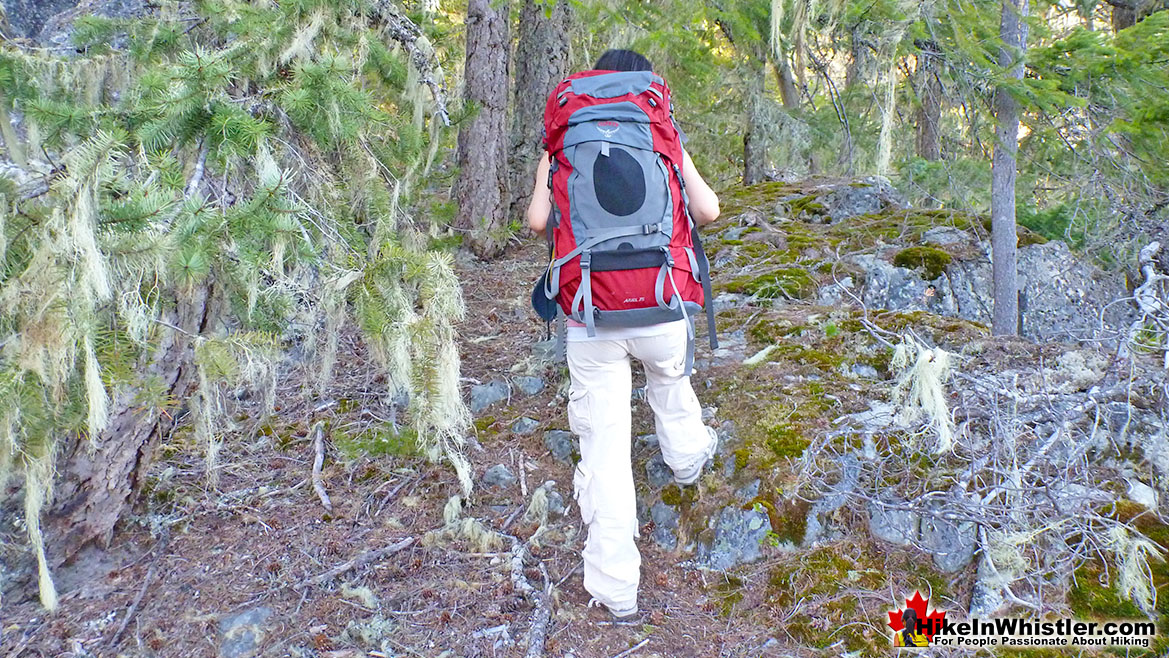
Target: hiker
611 144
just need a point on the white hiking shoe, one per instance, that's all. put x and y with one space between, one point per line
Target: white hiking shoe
617 614
690 475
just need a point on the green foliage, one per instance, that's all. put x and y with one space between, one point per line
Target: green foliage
269 154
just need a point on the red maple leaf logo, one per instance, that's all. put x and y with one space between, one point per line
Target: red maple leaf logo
931 622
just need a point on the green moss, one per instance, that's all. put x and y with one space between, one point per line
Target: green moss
804 355
789 518
794 282
805 205
807 592
383 440
682 497
729 593
1029 237
932 261
742 458
766 331
1093 596
784 439
483 424
737 199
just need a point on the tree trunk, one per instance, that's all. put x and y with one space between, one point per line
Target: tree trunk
754 148
97 485
1004 241
541 61
787 83
482 188
929 113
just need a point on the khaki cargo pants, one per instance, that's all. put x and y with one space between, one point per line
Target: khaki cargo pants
599 413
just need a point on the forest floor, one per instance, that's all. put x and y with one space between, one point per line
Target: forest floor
201 570
254 564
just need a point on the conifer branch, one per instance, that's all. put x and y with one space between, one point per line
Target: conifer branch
403 30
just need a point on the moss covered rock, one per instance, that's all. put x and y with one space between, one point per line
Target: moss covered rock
931 261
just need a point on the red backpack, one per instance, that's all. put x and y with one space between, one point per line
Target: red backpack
625 251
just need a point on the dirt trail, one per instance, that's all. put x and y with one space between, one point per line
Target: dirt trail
215 571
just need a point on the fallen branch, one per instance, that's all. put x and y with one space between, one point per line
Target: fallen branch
318 463
357 562
633 648
539 629
161 550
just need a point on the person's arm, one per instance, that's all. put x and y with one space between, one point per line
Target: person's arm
703 201
541 204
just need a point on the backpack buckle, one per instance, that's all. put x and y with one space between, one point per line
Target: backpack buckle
650 229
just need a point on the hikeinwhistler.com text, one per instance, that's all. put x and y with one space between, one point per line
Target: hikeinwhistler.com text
1022 632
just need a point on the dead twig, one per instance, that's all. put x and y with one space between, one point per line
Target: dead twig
318 463
633 648
357 562
161 551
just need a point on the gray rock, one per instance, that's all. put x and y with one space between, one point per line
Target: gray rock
893 525
1141 493
944 235
545 351
563 445
748 492
987 597
849 200
658 472
732 350
738 534
708 413
240 635
1063 295
525 425
665 519
865 371
951 543
730 300
485 395
836 497
898 289
555 502
529 385
837 292
647 441
735 232
499 476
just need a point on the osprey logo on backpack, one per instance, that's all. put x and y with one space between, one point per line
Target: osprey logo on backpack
625 251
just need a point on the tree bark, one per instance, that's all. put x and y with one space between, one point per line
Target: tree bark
929 113
97 485
1004 240
754 148
482 187
787 83
541 62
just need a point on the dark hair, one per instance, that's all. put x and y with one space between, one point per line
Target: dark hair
909 618
622 60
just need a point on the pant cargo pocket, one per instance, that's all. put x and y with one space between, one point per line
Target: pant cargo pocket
579 411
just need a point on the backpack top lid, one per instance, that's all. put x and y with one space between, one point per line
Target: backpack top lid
644 92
